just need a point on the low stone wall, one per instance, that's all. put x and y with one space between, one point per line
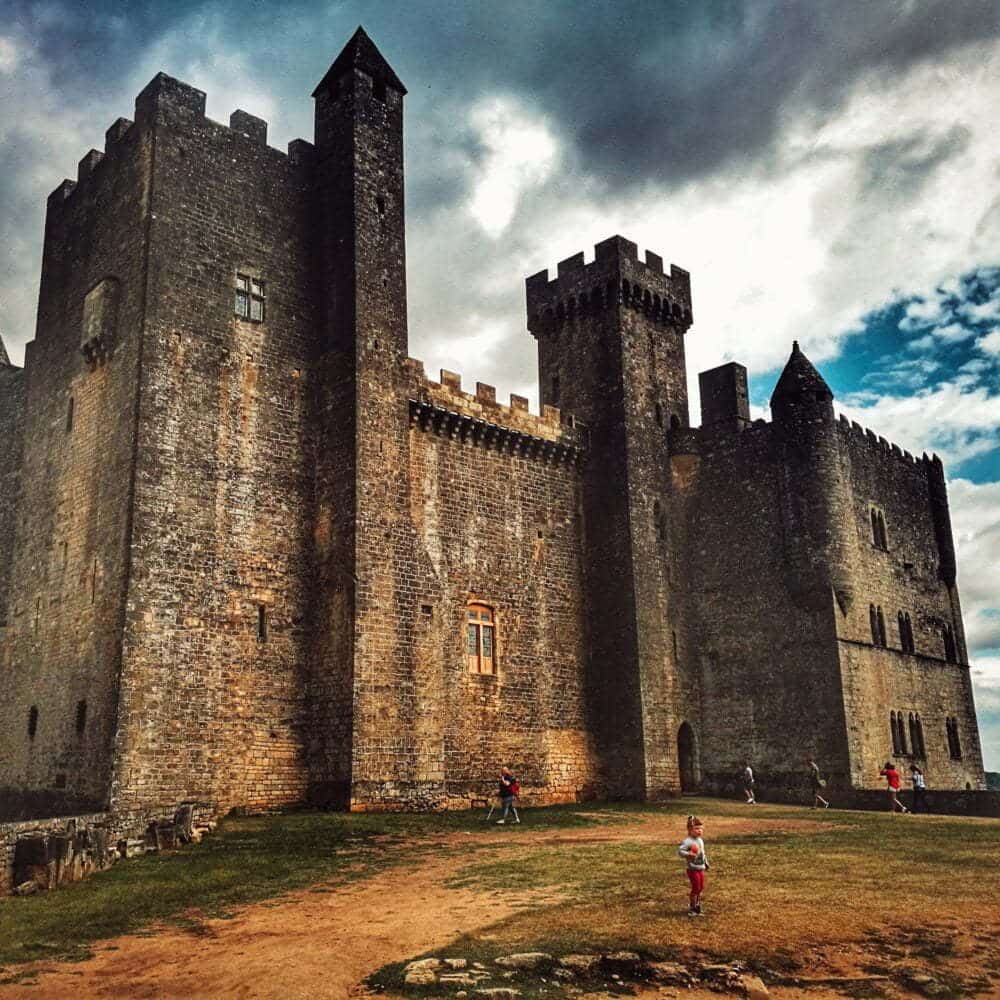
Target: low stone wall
950 802
40 854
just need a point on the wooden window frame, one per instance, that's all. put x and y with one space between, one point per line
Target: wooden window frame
480 637
249 297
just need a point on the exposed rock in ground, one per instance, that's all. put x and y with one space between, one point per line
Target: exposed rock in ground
524 960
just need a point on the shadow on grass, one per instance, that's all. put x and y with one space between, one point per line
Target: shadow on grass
244 861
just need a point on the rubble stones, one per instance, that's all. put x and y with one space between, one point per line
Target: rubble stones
754 988
580 963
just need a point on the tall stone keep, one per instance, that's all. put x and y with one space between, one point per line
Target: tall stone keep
611 352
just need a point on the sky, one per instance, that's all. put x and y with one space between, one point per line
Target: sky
827 172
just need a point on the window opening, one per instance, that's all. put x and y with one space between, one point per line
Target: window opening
32 722
916 736
954 746
675 422
249 302
261 623
950 652
81 717
480 639
380 206
378 90
877 621
879 537
894 732
673 640
659 415
69 416
905 632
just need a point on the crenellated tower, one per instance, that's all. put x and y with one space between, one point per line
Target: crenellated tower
611 352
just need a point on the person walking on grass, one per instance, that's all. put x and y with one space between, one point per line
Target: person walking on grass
816 783
508 791
891 776
919 789
748 783
692 850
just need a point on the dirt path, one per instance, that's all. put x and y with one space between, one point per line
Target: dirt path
324 941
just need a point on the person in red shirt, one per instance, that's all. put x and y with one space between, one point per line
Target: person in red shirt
891 776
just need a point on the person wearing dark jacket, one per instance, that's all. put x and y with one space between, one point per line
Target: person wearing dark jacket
508 792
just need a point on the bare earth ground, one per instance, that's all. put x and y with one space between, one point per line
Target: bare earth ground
323 942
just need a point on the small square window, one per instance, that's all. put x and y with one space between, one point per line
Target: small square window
249 300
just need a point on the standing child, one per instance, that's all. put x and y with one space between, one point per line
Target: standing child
748 783
692 850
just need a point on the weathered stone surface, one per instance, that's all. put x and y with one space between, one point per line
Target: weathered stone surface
420 977
753 987
524 960
671 973
580 963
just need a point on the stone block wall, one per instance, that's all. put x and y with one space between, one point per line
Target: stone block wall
766 662
214 679
12 383
69 559
906 576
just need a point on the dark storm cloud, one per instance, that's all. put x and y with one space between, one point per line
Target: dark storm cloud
665 91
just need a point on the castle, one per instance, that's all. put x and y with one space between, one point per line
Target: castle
251 555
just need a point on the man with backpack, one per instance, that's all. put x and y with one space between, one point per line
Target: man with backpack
509 791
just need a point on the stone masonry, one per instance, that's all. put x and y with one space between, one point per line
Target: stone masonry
252 556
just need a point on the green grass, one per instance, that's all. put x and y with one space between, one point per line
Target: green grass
895 886
245 860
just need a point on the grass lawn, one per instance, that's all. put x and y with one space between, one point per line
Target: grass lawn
245 860
790 890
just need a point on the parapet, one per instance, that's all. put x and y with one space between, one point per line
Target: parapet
167 100
854 434
615 276
477 418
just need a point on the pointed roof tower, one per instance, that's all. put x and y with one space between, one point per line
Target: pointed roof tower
799 378
360 53
4 356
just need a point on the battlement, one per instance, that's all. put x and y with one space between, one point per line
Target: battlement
616 276
860 436
167 101
443 407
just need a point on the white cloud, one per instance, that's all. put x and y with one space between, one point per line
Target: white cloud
990 343
520 153
957 419
9 57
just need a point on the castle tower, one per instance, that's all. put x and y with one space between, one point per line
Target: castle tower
816 497
611 353
362 402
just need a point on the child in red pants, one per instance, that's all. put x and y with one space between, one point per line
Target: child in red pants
692 850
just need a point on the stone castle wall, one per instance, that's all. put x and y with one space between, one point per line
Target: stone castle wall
214 678
61 648
910 577
765 661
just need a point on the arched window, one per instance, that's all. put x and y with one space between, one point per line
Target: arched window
916 735
69 415
880 538
905 632
954 745
877 621
901 730
480 639
81 717
32 722
948 637
895 733
675 422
